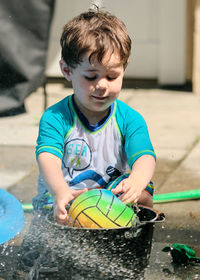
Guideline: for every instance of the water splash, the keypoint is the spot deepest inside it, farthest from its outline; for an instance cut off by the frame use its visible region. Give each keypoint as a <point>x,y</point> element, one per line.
<point>7,259</point>
<point>81,254</point>
<point>57,252</point>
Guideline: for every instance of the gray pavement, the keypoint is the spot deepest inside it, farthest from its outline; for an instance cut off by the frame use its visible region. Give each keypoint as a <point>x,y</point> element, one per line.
<point>173,118</point>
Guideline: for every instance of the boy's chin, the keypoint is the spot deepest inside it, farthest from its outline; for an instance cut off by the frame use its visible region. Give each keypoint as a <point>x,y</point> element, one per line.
<point>101,107</point>
<point>101,111</point>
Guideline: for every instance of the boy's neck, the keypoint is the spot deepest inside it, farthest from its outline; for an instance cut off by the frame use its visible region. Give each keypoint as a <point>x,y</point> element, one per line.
<point>95,117</point>
<point>92,117</point>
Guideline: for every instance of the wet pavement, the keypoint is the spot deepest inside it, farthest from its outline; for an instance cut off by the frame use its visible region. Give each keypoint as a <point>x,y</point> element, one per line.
<point>173,119</point>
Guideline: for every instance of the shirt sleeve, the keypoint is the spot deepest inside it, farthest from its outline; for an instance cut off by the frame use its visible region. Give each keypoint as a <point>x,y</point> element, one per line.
<point>135,134</point>
<point>51,134</point>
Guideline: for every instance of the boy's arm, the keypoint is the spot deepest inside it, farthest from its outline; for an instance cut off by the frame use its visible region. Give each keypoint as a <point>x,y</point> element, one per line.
<point>141,174</point>
<point>50,168</point>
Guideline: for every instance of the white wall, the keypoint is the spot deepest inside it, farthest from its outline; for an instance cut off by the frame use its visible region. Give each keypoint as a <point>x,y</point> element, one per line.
<point>156,27</point>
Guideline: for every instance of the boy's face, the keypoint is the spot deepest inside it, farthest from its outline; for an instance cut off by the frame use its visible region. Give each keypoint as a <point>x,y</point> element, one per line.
<point>95,85</point>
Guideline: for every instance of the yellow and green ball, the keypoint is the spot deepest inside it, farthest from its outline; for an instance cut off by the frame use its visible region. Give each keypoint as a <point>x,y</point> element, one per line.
<point>99,208</point>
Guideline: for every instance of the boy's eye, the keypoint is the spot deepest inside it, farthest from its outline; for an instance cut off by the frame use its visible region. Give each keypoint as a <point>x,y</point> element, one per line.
<point>90,78</point>
<point>111,78</point>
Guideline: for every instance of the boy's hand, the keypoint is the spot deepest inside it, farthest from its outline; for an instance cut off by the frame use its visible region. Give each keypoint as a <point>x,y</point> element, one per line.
<point>129,193</point>
<point>61,201</point>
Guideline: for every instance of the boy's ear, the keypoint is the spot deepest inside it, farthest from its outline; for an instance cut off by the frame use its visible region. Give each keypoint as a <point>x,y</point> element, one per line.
<point>127,63</point>
<point>66,71</point>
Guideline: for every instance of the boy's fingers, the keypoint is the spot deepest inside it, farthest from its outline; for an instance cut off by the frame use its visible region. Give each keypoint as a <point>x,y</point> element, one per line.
<point>62,219</point>
<point>118,189</point>
<point>78,192</point>
<point>60,215</point>
<point>127,198</point>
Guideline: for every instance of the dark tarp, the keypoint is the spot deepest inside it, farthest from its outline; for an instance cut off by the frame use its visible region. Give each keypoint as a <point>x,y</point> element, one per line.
<point>24,34</point>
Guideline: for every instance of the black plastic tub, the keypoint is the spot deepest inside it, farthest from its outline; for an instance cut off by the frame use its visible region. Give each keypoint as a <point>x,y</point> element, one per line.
<point>121,253</point>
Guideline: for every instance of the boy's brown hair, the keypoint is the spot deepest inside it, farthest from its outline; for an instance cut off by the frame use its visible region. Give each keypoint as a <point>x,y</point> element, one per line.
<point>97,32</point>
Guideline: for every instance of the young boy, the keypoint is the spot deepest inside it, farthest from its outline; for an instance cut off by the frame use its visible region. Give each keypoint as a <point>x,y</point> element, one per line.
<point>88,139</point>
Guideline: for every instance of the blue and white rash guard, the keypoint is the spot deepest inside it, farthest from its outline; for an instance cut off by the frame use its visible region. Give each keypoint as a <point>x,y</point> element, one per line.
<point>92,156</point>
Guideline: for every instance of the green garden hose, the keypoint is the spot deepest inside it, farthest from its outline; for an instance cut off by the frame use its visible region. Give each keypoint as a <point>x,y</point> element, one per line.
<point>27,207</point>
<point>176,196</point>
<point>157,198</point>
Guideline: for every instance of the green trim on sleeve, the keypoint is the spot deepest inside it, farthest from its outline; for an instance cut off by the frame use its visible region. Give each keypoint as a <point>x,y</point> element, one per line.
<point>119,131</point>
<point>140,153</point>
<point>48,149</point>
<point>73,118</point>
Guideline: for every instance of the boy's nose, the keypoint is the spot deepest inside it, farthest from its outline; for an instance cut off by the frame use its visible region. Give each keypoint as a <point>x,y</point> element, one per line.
<point>101,84</point>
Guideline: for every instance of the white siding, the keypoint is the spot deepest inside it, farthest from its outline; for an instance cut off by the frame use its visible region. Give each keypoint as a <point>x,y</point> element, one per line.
<point>156,27</point>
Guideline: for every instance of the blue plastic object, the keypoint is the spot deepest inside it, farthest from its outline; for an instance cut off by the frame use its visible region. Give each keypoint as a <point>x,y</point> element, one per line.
<point>11,216</point>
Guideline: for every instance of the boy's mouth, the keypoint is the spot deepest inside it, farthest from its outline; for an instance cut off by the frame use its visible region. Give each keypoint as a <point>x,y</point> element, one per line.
<point>99,97</point>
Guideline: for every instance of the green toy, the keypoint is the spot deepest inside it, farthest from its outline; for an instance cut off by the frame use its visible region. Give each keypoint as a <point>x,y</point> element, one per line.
<point>182,254</point>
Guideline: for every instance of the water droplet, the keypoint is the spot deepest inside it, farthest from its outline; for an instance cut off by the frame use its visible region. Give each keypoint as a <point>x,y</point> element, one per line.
<point>2,264</point>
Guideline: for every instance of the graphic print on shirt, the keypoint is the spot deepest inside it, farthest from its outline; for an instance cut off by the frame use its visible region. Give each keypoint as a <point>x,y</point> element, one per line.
<point>78,155</point>
<point>78,158</point>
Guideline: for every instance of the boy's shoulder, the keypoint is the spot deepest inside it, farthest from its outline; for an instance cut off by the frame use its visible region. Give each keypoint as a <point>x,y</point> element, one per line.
<point>126,111</point>
<point>61,108</point>
<point>59,112</point>
<point>129,120</point>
